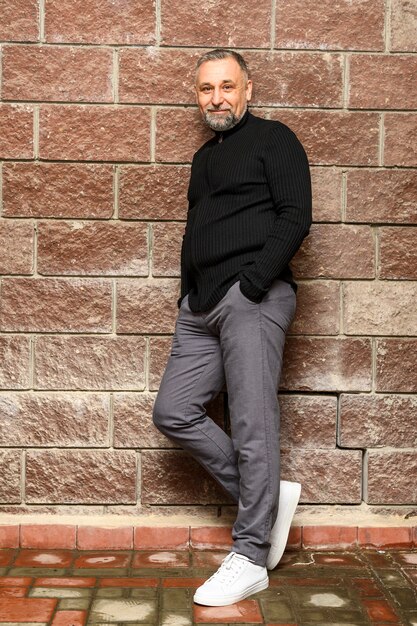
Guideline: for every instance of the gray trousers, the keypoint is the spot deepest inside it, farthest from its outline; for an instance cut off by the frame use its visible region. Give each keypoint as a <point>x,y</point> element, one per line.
<point>239,343</point>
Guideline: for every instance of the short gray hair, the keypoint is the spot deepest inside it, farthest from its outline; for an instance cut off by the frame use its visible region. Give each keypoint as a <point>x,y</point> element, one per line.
<point>224,53</point>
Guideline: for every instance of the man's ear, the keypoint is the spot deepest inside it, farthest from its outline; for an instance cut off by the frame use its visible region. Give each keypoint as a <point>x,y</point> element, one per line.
<point>249,86</point>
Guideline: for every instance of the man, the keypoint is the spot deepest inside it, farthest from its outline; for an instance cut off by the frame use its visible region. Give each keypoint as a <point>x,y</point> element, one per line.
<point>249,210</point>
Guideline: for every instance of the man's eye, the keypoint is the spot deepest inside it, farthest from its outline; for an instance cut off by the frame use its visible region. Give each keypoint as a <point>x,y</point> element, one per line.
<point>206,89</point>
<point>228,87</point>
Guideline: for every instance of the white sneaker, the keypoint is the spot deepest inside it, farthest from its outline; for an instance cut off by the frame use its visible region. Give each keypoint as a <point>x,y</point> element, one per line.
<point>289,495</point>
<point>236,579</point>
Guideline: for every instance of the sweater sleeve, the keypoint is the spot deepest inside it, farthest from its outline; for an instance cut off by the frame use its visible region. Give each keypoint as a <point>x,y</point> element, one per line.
<point>288,175</point>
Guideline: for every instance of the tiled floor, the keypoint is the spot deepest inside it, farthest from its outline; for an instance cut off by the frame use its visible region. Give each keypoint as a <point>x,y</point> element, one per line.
<point>308,588</point>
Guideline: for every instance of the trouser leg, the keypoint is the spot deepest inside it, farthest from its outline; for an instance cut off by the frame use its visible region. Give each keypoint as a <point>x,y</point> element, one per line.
<point>252,340</point>
<point>194,375</point>
<point>244,342</point>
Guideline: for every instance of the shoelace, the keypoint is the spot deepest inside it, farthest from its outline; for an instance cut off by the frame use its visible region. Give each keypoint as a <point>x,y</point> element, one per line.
<point>223,574</point>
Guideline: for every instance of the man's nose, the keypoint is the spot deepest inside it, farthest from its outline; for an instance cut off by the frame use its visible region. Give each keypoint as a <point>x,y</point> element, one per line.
<point>217,97</point>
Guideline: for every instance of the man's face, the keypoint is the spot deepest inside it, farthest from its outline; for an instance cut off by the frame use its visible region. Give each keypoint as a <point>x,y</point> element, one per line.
<point>222,93</point>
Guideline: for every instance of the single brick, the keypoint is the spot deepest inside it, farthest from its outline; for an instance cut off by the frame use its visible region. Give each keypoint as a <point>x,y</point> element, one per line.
<point>232,24</point>
<point>391,476</point>
<point>147,306</point>
<point>50,536</point>
<point>16,247</point>
<point>166,249</point>
<point>326,476</point>
<point>380,308</point>
<point>101,538</point>
<point>343,25</point>
<point>56,305</point>
<point>100,22</point>
<point>398,253</point>
<point>93,248</point>
<point>102,363</point>
<point>330,537</point>
<point>58,419</point>
<point>400,146</point>
<point>80,476</point>
<point>395,365</point>
<point>382,82</point>
<point>326,185</point>
<point>308,421</point>
<point>381,196</point>
<point>403,25</point>
<point>157,75</point>
<point>57,73</point>
<point>291,79</point>
<point>19,20</point>
<point>336,251</point>
<point>16,131</point>
<point>335,137</point>
<point>327,364</point>
<point>370,421</point>
<point>154,192</point>
<point>10,479</point>
<point>94,133</point>
<point>69,190</point>
<point>14,362</point>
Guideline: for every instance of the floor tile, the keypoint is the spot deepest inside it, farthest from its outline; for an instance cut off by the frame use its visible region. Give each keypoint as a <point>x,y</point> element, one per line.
<point>15,581</point>
<point>161,559</point>
<point>278,610</point>
<point>70,618</point>
<point>241,612</point>
<point>176,599</point>
<point>176,618</point>
<point>44,558</point>
<point>115,611</point>
<point>103,560</point>
<point>12,592</point>
<point>76,604</point>
<point>59,592</point>
<point>110,592</point>
<point>21,609</point>
<point>380,610</point>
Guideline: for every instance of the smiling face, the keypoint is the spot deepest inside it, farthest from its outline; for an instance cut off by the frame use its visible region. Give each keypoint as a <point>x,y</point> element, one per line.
<point>223,92</point>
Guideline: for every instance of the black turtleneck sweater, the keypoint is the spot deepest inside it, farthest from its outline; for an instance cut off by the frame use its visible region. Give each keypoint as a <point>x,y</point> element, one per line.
<point>249,210</point>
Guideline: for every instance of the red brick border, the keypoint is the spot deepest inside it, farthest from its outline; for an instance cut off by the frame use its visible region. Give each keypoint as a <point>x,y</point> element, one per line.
<point>86,537</point>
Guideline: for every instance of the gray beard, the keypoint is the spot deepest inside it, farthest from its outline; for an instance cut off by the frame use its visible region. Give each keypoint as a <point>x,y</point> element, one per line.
<point>224,123</point>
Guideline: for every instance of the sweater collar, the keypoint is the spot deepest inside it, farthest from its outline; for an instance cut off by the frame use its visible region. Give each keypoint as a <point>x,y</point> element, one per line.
<point>221,135</point>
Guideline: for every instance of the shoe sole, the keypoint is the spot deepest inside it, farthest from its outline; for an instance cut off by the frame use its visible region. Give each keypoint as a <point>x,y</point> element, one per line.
<point>277,549</point>
<point>232,599</point>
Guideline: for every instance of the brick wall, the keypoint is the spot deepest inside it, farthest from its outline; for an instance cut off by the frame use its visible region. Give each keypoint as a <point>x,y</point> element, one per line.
<point>97,129</point>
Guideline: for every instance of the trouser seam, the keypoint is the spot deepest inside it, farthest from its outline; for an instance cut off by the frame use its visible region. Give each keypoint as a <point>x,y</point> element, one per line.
<point>266,425</point>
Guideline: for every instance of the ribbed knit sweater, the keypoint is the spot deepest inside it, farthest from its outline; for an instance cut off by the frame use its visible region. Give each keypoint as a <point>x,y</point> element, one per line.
<point>249,210</point>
